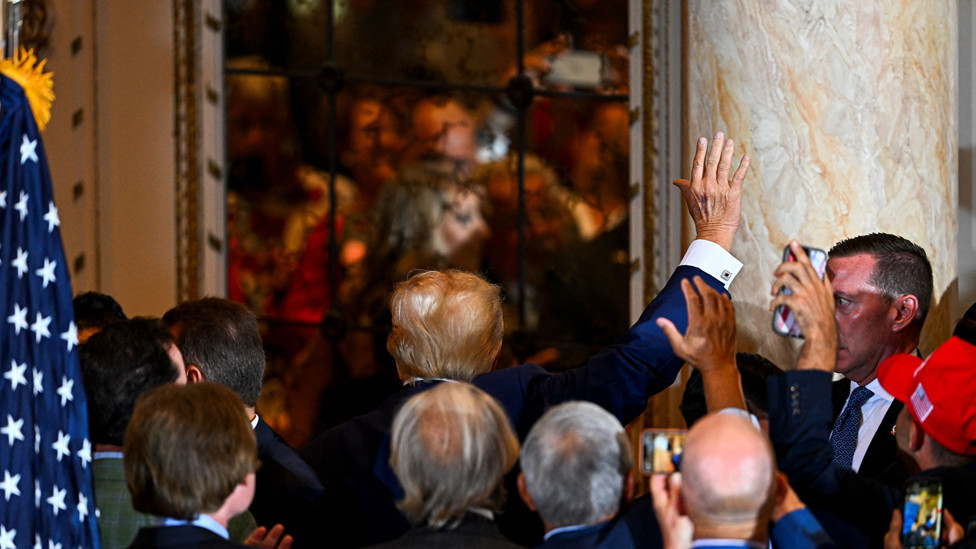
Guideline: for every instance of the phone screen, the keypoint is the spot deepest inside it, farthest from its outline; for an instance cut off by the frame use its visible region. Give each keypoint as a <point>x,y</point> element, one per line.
<point>922,513</point>
<point>783,321</point>
<point>661,450</point>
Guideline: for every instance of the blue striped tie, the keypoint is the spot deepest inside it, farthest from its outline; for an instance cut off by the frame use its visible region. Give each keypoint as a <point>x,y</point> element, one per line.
<point>844,437</point>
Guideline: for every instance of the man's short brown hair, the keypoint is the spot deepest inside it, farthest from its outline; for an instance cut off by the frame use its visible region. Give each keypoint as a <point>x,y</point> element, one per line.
<point>186,449</point>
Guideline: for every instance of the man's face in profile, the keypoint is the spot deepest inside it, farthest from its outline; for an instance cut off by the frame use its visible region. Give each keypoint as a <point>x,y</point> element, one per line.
<point>862,313</point>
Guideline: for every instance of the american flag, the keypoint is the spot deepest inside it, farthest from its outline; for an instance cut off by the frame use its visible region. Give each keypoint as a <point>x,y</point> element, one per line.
<point>45,457</point>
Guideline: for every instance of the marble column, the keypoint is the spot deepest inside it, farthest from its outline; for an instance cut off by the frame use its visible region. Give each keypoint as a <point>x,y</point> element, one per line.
<point>849,112</point>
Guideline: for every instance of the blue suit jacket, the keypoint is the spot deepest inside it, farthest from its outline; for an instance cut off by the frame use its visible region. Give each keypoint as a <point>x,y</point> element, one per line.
<point>635,528</point>
<point>180,537</point>
<point>800,530</point>
<point>352,458</point>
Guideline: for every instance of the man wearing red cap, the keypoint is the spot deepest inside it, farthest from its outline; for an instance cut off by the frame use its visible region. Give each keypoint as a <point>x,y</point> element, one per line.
<point>936,428</point>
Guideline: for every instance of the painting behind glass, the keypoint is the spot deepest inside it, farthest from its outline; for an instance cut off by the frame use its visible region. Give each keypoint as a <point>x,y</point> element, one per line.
<point>369,138</point>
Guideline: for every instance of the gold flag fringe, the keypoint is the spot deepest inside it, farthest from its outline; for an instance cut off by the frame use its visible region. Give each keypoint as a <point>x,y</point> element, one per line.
<point>24,69</point>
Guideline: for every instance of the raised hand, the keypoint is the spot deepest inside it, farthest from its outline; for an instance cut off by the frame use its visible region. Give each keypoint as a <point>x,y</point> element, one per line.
<point>709,341</point>
<point>709,344</point>
<point>269,539</point>
<point>676,529</point>
<point>715,202</point>
<point>812,304</point>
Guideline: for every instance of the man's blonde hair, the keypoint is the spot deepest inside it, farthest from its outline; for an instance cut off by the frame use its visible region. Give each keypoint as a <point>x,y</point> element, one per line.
<point>446,324</point>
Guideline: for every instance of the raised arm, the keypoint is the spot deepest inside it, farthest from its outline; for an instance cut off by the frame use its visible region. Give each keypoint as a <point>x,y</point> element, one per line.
<point>623,376</point>
<point>709,344</point>
<point>714,201</point>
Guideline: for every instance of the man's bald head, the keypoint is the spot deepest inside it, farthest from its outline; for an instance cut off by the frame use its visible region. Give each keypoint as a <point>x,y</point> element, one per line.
<point>728,477</point>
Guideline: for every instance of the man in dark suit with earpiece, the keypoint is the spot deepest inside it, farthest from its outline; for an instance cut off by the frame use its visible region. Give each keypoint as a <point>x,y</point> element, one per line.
<point>882,290</point>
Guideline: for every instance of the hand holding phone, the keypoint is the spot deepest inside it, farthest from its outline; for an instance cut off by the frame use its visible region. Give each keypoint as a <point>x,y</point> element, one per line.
<point>922,513</point>
<point>784,323</point>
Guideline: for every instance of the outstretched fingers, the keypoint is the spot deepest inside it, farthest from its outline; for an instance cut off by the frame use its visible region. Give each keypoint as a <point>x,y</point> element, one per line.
<point>725,163</point>
<point>693,304</point>
<point>740,173</point>
<point>698,166</point>
<point>715,155</point>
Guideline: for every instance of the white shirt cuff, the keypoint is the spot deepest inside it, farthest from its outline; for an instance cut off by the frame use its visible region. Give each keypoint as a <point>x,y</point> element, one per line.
<point>745,414</point>
<point>713,259</point>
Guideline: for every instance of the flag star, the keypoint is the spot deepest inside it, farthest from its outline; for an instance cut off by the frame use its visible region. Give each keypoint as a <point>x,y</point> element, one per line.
<point>7,538</point>
<point>18,319</point>
<point>21,263</point>
<point>50,542</point>
<point>27,150</point>
<point>52,217</point>
<point>71,336</point>
<point>21,205</point>
<point>13,430</point>
<point>57,500</point>
<point>65,390</point>
<point>3,199</point>
<point>47,272</point>
<point>39,327</point>
<point>16,375</point>
<point>37,542</point>
<point>61,446</point>
<point>38,382</point>
<point>37,493</point>
<point>82,506</point>
<point>84,454</point>
<point>9,485</point>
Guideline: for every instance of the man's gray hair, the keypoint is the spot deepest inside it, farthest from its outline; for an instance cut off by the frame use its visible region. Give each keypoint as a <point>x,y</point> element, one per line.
<point>575,461</point>
<point>451,447</point>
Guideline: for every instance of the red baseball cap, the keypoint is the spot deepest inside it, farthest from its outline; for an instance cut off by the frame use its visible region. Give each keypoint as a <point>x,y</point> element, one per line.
<point>939,392</point>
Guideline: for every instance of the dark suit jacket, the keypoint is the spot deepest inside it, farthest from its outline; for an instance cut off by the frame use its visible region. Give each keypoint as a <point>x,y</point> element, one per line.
<point>474,532</point>
<point>635,528</point>
<point>853,508</point>
<point>800,530</point>
<point>287,491</point>
<point>177,537</point>
<point>352,458</point>
<point>881,459</point>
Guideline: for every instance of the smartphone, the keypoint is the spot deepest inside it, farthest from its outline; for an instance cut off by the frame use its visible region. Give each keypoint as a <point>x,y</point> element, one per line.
<point>922,513</point>
<point>660,450</point>
<point>784,322</point>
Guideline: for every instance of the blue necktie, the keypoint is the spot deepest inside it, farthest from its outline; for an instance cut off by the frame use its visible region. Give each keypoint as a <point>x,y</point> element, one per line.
<point>844,437</point>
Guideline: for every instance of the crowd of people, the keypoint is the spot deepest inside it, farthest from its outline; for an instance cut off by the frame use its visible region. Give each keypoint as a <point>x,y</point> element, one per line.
<point>474,453</point>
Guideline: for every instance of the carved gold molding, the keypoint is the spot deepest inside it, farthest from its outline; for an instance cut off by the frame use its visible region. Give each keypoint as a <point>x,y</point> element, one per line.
<point>186,130</point>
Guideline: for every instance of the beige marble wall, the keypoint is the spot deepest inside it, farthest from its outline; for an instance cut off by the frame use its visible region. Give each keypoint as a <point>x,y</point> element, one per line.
<point>848,111</point>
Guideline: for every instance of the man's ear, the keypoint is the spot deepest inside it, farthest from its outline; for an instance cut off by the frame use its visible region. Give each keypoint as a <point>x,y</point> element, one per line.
<point>193,374</point>
<point>523,491</point>
<point>674,484</point>
<point>628,495</point>
<point>903,311</point>
<point>916,436</point>
<point>780,487</point>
